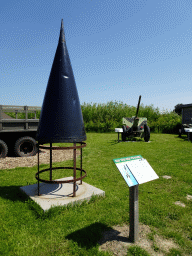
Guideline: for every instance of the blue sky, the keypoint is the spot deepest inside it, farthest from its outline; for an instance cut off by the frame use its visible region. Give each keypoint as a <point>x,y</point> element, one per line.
<point>118,50</point>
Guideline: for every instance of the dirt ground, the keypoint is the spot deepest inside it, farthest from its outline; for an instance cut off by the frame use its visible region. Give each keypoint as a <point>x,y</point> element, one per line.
<point>58,156</point>
<point>116,241</point>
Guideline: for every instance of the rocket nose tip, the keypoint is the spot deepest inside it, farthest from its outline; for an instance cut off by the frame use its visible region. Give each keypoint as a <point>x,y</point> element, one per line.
<point>62,25</point>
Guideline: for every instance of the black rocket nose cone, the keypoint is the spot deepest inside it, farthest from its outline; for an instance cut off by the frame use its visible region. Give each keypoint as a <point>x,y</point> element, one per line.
<point>61,118</point>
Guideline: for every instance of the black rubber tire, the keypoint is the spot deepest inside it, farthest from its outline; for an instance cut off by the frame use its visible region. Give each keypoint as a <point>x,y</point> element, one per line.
<point>3,149</point>
<point>146,133</point>
<point>25,146</point>
<point>190,137</point>
<point>123,134</point>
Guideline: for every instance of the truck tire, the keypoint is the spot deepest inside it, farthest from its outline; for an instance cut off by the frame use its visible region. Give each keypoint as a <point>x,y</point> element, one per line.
<point>146,133</point>
<point>3,149</point>
<point>190,136</point>
<point>25,146</point>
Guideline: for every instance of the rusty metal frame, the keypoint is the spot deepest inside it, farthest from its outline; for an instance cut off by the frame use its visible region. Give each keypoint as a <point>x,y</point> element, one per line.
<point>74,168</point>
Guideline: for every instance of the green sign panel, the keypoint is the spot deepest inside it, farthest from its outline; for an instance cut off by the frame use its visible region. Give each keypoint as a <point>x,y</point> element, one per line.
<point>135,170</point>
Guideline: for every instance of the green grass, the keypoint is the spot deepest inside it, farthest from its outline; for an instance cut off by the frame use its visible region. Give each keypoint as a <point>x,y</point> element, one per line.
<point>136,251</point>
<point>27,230</point>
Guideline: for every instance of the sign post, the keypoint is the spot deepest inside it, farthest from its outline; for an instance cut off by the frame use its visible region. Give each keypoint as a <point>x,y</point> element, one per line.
<point>134,213</point>
<point>135,170</point>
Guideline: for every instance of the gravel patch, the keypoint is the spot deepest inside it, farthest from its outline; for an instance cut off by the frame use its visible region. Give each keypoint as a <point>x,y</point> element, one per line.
<point>44,156</point>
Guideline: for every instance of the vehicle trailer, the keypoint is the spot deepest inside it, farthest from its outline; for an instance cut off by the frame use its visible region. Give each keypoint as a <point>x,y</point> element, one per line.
<point>18,136</point>
<point>186,127</point>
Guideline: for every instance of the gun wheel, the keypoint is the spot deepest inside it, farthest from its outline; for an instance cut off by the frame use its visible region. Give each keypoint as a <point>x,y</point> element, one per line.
<point>146,133</point>
<point>123,134</point>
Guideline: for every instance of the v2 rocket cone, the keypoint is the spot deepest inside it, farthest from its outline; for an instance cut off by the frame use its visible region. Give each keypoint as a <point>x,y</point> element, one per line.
<point>61,118</point>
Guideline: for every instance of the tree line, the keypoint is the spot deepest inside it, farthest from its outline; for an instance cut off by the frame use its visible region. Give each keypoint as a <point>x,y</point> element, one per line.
<point>106,117</point>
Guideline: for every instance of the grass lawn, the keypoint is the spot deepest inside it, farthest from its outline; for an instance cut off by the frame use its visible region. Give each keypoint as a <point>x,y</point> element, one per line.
<point>27,230</point>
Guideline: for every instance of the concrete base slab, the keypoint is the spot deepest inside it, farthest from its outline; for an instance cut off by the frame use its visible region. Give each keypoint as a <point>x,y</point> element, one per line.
<point>60,194</point>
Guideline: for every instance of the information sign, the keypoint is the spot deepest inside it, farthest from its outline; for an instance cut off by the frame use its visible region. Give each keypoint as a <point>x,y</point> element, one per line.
<point>135,170</point>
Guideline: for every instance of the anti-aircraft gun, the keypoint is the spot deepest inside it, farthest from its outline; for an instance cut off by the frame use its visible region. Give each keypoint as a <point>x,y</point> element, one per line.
<point>135,126</point>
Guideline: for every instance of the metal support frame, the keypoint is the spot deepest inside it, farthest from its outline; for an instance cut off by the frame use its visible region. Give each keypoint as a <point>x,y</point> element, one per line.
<point>81,163</point>
<point>26,117</point>
<point>50,162</point>
<point>74,168</point>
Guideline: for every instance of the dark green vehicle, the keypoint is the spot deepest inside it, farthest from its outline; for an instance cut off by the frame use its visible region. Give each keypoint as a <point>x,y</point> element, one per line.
<point>135,126</point>
<point>18,136</point>
<point>186,126</point>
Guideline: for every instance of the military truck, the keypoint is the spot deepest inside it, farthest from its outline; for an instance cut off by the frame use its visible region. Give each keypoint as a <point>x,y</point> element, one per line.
<point>18,135</point>
<point>135,126</point>
<point>186,127</point>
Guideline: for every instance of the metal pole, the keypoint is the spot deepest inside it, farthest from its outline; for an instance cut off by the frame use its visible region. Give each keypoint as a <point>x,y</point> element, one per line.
<point>38,167</point>
<point>74,170</point>
<point>26,118</point>
<point>1,124</point>
<point>81,163</point>
<point>50,160</point>
<point>134,213</point>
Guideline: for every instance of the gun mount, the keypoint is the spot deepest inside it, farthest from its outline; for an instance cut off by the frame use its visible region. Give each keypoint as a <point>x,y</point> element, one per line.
<point>135,126</point>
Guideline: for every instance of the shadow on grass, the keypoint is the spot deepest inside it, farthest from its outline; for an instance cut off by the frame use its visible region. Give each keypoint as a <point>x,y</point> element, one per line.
<point>95,234</point>
<point>12,193</point>
<point>183,138</point>
<point>88,237</point>
<point>114,142</point>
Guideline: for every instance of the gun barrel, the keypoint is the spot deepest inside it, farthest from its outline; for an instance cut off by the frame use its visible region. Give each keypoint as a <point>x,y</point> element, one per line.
<point>138,106</point>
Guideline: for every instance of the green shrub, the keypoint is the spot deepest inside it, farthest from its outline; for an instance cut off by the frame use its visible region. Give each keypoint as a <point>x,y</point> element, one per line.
<point>106,117</point>
<point>169,122</point>
<point>22,115</point>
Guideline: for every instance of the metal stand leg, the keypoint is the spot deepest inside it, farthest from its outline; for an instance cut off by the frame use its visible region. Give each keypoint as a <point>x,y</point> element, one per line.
<point>81,164</point>
<point>51,161</point>
<point>74,170</point>
<point>134,213</point>
<point>38,168</point>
